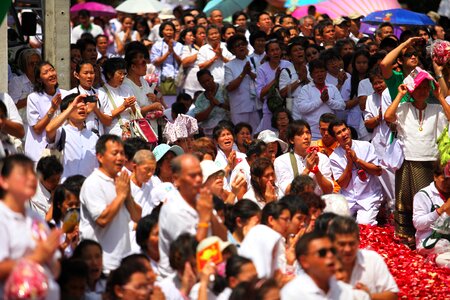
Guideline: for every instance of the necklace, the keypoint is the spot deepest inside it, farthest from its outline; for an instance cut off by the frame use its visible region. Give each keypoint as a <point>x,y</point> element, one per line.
<point>420,116</point>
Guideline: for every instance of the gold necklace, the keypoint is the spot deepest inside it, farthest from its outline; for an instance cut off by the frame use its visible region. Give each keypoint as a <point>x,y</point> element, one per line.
<point>420,116</point>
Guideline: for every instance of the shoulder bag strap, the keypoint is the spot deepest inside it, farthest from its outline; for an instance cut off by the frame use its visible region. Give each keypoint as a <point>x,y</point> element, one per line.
<point>113,104</point>
<point>293,163</point>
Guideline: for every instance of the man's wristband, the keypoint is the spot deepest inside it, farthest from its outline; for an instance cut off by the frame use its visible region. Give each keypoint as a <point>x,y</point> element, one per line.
<point>203,225</point>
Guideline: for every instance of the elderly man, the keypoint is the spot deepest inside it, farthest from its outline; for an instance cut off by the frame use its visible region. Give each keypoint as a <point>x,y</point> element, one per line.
<point>189,209</point>
<point>366,269</point>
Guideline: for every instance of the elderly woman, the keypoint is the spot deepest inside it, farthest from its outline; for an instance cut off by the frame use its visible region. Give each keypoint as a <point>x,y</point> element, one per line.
<point>21,86</point>
<point>418,125</point>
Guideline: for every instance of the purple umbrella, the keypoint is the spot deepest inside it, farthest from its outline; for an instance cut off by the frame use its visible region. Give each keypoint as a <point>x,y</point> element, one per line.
<point>96,9</point>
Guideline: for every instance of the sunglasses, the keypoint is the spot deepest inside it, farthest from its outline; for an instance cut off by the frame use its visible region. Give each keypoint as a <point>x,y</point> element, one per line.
<point>410,54</point>
<point>324,251</point>
<point>190,22</point>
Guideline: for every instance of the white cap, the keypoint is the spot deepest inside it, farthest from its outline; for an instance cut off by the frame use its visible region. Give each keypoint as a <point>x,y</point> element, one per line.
<point>209,168</point>
<point>268,136</point>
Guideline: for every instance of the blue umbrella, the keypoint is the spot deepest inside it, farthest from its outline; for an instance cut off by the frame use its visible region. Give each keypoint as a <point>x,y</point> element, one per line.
<point>398,16</point>
<point>227,7</point>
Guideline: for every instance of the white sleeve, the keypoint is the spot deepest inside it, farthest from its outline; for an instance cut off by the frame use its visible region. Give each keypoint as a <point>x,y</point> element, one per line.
<point>286,79</point>
<point>305,103</point>
<point>92,199</point>
<point>283,172</point>
<point>335,102</point>
<point>423,217</point>
<point>33,114</point>
<point>13,113</point>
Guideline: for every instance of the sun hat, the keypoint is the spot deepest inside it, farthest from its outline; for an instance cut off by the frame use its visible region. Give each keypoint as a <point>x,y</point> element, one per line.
<point>268,136</point>
<point>209,168</point>
<point>415,78</point>
<point>162,149</point>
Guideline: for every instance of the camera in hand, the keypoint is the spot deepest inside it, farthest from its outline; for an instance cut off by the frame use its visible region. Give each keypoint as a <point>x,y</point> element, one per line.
<point>90,99</point>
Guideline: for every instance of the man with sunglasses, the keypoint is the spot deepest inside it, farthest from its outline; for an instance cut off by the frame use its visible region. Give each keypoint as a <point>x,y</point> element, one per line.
<point>407,57</point>
<point>355,167</point>
<point>317,257</point>
<point>366,269</point>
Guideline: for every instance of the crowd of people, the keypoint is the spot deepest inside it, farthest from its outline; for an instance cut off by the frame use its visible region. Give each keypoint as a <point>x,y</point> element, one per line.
<point>194,158</point>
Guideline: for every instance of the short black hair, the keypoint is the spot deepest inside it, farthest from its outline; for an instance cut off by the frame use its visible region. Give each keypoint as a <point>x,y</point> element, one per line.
<point>111,65</point>
<point>294,128</point>
<point>234,39</point>
<point>299,183</point>
<point>202,72</point>
<point>84,42</point>
<point>273,209</point>
<point>67,100</point>
<point>302,246</point>
<point>328,55</point>
<point>327,117</point>
<point>163,25</point>
<point>275,115</point>
<point>335,123</point>
<point>295,204</point>
<point>257,34</point>
<point>100,146</point>
<point>316,64</point>
<point>48,166</point>
<point>84,13</point>
<point>144,228</point>
<point>133,145</point>
<point>181,250</point>
<point>343,225</point>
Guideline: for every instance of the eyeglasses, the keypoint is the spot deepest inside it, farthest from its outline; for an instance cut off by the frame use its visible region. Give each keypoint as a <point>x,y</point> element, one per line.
<point>190,22</point>
<point>141,288</point>
<point>410,54</point>
<point>324,251</point>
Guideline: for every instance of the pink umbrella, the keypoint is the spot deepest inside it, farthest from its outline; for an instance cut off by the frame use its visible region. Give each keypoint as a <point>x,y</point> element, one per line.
<point>96,9</point>
<point>338,8</point>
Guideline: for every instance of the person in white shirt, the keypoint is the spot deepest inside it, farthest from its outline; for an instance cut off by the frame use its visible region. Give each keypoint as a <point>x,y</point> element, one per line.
<point>84,17</point>
<point>68,131</point>
<point>366,268</point>
<point>120,98</point>
<point>187,209</point>
<point>428,205</point>
<point>214,55</point>
<point>316,98</point>
<point>317,256</point>
<point>240,83</point>
<point>107,205</point>
<point>355,168</point>
<point>42,105</point>
<point>12,128</point>
<point>19,87</point>
<point>49,171</point>
<point>299,161</point>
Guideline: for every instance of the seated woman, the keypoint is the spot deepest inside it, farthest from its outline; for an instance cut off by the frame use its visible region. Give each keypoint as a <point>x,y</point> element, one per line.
<point>428,205</point>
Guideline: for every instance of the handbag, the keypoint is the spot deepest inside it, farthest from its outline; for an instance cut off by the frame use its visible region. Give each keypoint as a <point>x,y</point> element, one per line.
<point>393,157</point>
<point>168,86</point>
<point>274,99</point>
<point>141,128</point>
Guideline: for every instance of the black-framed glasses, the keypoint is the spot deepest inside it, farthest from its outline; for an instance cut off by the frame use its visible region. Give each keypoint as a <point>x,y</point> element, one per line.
<point>322,252</point>
<point>410,54</point>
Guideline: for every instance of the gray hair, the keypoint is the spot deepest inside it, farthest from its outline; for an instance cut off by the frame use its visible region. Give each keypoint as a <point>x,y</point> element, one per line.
<point>142,156</point>
<point>302,19</point>
<point>24,56</point>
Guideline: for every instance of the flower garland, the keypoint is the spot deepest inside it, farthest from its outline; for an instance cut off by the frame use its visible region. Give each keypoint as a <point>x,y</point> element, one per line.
<point>417,277</point>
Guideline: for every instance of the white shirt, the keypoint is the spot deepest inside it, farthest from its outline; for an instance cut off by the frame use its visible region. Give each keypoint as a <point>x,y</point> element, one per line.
<point>13,113</point>
<point>118,95</point>
<point>97,192</point>
<point>142,196</point>
<point>420,145</point>
<point>79,151</point>
<point>19,234</point>
<point>40,202</point>
<point>170,287</point>
<point>217,68</point>
<point>19,88</point>
<point>242,99</point>
<point>243,167</point>
<point>251,195</point>
<point>176,217</point>
<point>140,92</point>
<point>364,193</point>
<point>381,133</point>
<point>365,88</point>
<point>77,31</point>
<point>191,82</point>
<point>37,107</point>
<point>371,270</point>
<point>423,217</point>
<point>285,174</point>
<point>309,105</point>
<point>303,287</point>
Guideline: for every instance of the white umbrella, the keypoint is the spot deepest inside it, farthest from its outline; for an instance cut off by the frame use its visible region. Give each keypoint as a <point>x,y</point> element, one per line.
<point>140,6</point>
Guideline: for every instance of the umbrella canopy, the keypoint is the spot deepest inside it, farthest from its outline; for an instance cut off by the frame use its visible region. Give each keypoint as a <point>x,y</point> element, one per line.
<point>338,8</point>
<point>96,9</point>
<point>398,17</point>
<point>140,6</point>
<point>227,7</point>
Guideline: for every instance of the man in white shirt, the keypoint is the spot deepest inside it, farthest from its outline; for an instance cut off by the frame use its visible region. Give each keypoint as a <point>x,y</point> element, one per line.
<point>355,168</point>
<point>85,26</point>
<point>317,98</point>
<point>187,209</point>
<point>316,255</point>
<point>106,203</point>
<point>300,162</point>
<point>366,268</point>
